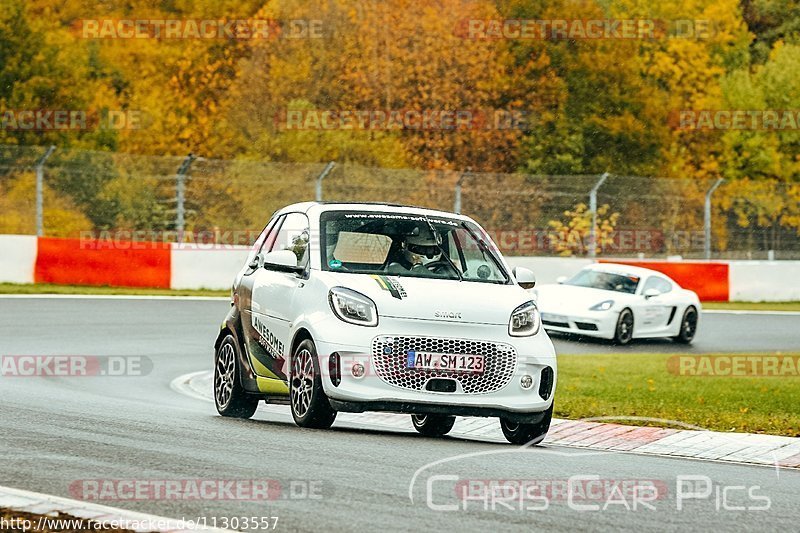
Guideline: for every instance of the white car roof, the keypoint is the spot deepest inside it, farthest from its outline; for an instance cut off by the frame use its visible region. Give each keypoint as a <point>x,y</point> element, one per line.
<point>314,208</point>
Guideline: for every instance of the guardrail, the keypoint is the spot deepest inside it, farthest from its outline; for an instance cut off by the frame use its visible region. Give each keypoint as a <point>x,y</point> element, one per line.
<point>30,259</point>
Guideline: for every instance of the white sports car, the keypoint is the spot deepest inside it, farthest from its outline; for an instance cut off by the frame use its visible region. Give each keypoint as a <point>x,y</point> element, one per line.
<point>621,303</point>
<point>367,307</point>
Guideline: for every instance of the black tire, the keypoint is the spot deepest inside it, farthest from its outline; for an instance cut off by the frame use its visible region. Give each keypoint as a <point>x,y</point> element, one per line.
<point>517,433</point>
<point>229,396</point>
<point>623,333</point>
<point>310,406</point>
<point>433,425</point>
<point>688,326</point>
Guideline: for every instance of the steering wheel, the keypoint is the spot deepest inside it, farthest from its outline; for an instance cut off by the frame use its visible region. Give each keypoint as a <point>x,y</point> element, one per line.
<point>437,266</point>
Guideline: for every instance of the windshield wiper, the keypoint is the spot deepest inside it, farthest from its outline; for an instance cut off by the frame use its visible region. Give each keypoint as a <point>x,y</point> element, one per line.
<point>438,238</point>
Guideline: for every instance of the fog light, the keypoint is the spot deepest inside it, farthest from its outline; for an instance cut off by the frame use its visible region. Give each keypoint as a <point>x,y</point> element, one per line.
<point>358,370</point>
<point>526,381</point>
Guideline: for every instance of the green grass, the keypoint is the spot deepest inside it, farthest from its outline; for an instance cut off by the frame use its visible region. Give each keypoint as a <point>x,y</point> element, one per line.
<point>44,288</point>
<point>753,306</point>
<point>640,385</point>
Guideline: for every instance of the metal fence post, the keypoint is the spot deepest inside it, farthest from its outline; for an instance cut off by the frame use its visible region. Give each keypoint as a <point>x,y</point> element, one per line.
<point>322,176</point>
<point>180,189</point>
<point>593,211</point>
<point>457,199</point>
<point>707,218</point>
<point>40,191</point>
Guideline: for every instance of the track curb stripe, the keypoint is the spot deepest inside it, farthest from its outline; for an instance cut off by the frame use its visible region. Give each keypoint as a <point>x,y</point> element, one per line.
<point>740,448</point>
<point>44,504</point>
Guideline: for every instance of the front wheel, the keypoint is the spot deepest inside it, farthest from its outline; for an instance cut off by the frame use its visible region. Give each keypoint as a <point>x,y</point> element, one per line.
<point>433,425</point>
<point>518,433</point>
<point>688,326</point>
<point>623,334</point>
<point>229,396</point>
<point>310,406</point>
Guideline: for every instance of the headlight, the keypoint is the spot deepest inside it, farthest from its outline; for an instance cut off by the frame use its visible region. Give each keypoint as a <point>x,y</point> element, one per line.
<point>602,306</point>
<point>353,307</point>
<point>524,321</point>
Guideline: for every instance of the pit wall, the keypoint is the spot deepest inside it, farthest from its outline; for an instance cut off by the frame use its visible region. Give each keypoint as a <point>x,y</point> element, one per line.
<point>28,259</point>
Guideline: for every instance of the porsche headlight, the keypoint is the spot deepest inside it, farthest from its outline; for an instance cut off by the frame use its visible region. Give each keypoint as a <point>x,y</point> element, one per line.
<point>525,321</point>
<point>605,305</point>
<point>353,307</point>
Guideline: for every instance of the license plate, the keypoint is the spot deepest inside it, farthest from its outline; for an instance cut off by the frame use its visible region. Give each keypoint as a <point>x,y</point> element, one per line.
<point>554,318</point>
<point>445,361</point>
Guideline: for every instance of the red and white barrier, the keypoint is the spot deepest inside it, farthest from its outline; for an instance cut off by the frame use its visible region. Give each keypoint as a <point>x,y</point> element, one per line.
<point>17,258</point>
<point>26,259</point>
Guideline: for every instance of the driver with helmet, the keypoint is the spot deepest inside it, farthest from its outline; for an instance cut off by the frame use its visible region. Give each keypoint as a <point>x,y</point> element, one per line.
<point>409,256</point>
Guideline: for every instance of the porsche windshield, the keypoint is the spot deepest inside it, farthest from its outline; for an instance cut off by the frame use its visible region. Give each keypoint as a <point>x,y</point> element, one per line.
<point>401,244</point>
<point>608,281</point>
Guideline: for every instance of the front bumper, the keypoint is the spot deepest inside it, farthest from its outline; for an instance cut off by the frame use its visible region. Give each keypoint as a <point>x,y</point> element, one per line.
<point>599,324</point>
<point>374,391</point>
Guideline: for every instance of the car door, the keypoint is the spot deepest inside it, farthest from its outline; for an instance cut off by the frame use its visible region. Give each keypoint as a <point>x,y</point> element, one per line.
<point>655,310</point>
<point>262,363</point>
<point>274,295</point>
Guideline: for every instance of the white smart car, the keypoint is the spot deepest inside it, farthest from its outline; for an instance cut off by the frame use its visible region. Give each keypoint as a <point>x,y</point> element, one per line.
<point>369,307</point>
<point>621,303</point>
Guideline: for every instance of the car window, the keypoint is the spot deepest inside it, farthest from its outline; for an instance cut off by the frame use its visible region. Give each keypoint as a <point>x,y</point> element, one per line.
<point>608,281</point>
<point>293,235</point>
<point>266,236</point>
<point>660,284</point>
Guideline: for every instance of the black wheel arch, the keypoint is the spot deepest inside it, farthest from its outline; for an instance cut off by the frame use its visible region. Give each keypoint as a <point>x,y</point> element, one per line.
<point>233,326</point>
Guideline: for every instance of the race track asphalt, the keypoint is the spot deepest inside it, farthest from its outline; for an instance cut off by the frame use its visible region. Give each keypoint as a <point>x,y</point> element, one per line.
<point>59,430</point>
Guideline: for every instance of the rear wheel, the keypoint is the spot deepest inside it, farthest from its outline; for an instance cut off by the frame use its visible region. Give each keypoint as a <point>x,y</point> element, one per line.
<point>433,425</point>
<point>623,334</point>
<point>229,396</point>
<point>310,406</point>
<point>518,433</point>
<point>688,326</point>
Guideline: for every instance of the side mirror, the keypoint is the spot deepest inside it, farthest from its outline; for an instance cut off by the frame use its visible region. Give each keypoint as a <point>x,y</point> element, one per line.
<point>257,262</point>
<point>561,279</point>
<point>651,293</point>
<point>282,261</point>
<point>525,277</point>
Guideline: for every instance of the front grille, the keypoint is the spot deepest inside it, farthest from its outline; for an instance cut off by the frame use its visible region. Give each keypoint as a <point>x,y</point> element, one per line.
<point>556,324</point>
<point>390,356</point>
<point>586,326</point>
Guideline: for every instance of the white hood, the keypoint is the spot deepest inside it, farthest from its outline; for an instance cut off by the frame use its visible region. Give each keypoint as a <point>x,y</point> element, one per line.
<point>435,299</point>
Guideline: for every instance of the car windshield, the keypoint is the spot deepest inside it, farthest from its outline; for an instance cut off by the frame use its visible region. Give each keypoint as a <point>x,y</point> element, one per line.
<point>410,245</point>
<point>608,281</point>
